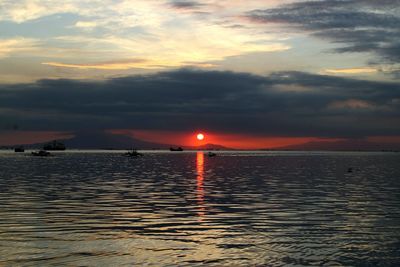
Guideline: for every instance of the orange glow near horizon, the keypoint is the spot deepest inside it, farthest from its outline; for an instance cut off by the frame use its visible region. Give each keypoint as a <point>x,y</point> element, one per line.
<point>187,139</point>
<point>235,141</point>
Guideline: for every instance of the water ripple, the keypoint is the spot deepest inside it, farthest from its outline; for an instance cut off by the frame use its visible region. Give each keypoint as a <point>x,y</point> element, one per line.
<point>168,209</point>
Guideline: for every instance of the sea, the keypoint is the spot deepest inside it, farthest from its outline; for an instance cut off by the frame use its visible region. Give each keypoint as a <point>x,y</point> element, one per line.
<point>239,208</point>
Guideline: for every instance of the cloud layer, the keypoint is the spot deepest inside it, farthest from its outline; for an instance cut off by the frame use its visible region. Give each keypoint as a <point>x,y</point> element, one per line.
<point>356,25</point>
<point>165,34</point>
<point>281,104</point>
<point>95,39</point>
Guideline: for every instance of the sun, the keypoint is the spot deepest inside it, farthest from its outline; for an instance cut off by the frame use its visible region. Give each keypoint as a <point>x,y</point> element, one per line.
<point>200,136</point>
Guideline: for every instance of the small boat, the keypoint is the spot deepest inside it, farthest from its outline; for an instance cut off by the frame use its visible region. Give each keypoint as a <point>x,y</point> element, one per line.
<point>211,154</point>
<point>19,149</point>
<point>41,153</point>
<point>176,149</point>
<point>133,153</point>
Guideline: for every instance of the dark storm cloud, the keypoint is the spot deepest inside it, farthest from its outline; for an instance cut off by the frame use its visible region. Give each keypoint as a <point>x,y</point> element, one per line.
<point>286,103</point>
<point>359,25</point>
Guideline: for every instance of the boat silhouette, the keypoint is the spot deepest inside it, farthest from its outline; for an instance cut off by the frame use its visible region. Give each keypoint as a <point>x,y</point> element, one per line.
<point>133,153</point>
<point>176,149</point>
<point>19,149</point>
<point>211,154</point>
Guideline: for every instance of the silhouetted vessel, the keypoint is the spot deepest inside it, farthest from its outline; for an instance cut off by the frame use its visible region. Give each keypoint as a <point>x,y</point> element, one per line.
<point>53,146</point>
<point>133,154</point>
<point>19,149</point>
<point>211,154</point>
<point>41,153</point>
<point>175,149</point>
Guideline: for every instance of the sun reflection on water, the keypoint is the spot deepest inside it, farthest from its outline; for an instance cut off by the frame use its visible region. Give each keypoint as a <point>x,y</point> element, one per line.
<point>200,185</point>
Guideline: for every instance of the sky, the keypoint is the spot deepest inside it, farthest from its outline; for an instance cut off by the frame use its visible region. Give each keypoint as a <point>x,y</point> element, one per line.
<point>249,74</point>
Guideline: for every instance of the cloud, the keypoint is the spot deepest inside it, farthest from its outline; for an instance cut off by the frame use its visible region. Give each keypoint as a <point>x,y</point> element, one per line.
<point>188,99</point>
<point>86,24</point>
<point>90,30</point>
<point>351,104</point>
<point>96,38</point>
<point>107,65</point>
<point>174,52</point>
<point>26,10</point>
<point>361,70</point>
<point>130,64</point>
<point>182,4</point>
<point>355,25</point>
<point>9,47</point>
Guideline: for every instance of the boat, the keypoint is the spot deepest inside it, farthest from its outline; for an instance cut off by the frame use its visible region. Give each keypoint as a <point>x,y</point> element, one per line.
<point>53,146</point>
<point>41,153</point>
<point>19,149</point>
<point>211,154</point>
<point>133,153</point>
<point>176,149</point>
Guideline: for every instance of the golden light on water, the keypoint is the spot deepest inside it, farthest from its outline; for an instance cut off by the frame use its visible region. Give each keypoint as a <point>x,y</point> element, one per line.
<point>200,186</point>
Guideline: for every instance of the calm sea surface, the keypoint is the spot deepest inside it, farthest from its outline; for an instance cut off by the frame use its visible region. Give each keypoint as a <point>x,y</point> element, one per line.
<point>186,209</point>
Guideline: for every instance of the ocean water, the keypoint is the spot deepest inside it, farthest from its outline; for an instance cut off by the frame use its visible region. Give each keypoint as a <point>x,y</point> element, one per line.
<point>186,209</point>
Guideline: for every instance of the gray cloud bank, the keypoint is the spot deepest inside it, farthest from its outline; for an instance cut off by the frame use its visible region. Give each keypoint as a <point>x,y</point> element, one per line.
<point>281,104</point>
<point>357,25</point>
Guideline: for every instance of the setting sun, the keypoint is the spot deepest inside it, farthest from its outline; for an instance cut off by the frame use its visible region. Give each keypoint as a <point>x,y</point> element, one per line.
<point>200,136</point>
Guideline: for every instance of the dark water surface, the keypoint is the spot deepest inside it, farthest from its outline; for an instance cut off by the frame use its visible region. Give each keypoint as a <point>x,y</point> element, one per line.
<point>186,209</point>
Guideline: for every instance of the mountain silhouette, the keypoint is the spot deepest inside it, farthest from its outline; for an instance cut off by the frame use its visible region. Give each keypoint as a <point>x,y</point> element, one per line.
<point>105,140</point>
<point>208,147</point>
<point>345,145</point>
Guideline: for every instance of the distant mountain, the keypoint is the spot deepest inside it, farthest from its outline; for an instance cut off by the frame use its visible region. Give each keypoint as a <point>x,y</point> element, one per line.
<point>207,147</point>
<point>346,145</point>
<point>104,140</point>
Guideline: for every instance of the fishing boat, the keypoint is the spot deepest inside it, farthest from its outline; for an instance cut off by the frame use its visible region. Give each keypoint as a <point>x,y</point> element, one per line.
<point>133,153</point>
<point>176,149</point>
<point>19,149</point>
<point>211,154</point>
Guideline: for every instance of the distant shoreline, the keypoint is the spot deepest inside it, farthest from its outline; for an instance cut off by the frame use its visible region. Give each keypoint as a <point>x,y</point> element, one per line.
<point>261,151</point>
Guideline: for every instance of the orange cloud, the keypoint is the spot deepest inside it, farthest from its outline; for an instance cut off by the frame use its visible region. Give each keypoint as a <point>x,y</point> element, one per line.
<point>107,65</point>
<point>352,70</point>
<point>129,64</point>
